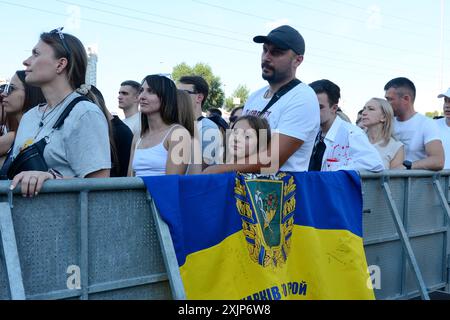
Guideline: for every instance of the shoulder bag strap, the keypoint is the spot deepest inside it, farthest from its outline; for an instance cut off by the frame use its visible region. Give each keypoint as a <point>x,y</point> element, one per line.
<point>281,92</point>
<point>67,111</point>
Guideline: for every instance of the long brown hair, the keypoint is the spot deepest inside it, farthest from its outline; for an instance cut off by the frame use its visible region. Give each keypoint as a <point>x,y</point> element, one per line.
<point>186,111</point>
<point>166,91</point>
<point>100,102</point>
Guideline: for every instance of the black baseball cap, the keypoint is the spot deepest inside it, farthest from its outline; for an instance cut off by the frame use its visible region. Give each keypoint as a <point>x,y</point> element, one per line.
<point>284,37</point>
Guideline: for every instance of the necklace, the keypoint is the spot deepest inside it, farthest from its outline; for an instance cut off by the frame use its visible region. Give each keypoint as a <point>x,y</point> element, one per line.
<point>45,116</point>
<point>268,94</point>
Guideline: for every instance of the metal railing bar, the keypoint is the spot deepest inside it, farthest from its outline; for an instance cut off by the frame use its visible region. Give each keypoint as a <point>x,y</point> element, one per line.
<point>405,241</point>
<point>128,283</point>
<point>416,293</point>
<point>102,287</point>
<point>170,258</point>
<point>411,235</point>
<point>84,243</point>
<point>57,295</point>
<point>10,253</point>
<point>77,185</point>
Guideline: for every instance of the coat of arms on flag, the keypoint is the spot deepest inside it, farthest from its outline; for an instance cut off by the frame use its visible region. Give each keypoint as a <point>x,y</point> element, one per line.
<point>266,206</point>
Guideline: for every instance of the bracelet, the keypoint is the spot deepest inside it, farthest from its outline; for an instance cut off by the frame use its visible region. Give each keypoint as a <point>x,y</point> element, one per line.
<point>55,174</point>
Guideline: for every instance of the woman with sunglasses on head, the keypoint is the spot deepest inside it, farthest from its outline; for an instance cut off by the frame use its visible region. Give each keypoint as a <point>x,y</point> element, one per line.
<point>164,145</point>
<point>80,147</point>
<point>18,97</point>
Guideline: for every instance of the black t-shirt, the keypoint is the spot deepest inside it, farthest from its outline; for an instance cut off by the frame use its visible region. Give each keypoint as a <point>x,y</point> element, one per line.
<point>123,138</point>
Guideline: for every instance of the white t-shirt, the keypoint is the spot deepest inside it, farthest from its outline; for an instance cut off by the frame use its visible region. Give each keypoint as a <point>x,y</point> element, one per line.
<point>445,137</point>
<point>348,148</point>
<point>211,140</point>
<point>134,123</point>
<point>295,114</point>
<point>415,133</point>
<point>80,147</point>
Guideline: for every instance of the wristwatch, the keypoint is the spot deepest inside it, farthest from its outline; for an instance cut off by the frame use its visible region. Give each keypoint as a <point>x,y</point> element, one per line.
<point>407,164</point>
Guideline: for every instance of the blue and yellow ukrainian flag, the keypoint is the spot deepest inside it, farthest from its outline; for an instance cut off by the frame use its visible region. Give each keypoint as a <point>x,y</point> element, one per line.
<point>289,236</point>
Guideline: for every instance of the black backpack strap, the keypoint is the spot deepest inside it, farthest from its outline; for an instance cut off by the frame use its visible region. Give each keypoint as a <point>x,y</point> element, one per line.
<point>281,92</point>
<point>67,111</point>
<point>200,118</point>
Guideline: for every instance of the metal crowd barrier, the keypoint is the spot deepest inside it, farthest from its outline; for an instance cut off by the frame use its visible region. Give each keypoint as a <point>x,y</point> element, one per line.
<point>81,239</point>
<point>103,239</point>
<point>406,232</point>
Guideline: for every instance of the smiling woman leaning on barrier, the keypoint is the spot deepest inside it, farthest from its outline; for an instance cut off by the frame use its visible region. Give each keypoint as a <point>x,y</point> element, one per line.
<point>76,147</point>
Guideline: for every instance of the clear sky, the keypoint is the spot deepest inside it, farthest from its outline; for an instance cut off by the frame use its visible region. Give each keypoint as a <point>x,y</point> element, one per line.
<point>359,45</point>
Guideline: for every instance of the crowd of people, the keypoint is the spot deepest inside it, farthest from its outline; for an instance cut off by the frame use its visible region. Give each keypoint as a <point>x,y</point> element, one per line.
<point>49,115</point>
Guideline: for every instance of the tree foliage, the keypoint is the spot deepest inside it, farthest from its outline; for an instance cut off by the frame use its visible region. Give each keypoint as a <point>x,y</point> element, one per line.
<point>433,114</point>
<point>241,92</point>
<point>216,95</point>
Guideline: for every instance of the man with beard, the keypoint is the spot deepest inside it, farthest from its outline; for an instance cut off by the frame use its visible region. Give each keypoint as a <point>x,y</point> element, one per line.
<point>291,107</point>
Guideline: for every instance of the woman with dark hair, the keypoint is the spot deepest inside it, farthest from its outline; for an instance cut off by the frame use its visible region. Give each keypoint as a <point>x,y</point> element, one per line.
<point>157,150</point>
<point>78,148</point>
<point>18,97</point>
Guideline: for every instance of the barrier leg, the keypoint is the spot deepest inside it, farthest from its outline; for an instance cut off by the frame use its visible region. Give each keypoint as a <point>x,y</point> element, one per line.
<point>168,252</point>
<point>405,240</point>
<point>445,206</point>
<point>11,254</point>
<point>441,195</point>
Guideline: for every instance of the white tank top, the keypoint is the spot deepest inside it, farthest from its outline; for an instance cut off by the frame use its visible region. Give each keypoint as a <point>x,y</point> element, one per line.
<point>151,161</point>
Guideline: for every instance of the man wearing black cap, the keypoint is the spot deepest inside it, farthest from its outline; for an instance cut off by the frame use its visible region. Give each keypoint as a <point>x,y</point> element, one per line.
<point>291,107</point>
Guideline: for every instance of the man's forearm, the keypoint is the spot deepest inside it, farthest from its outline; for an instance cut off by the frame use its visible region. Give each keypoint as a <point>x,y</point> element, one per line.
<point>244,167</point>
<point>434,163</point>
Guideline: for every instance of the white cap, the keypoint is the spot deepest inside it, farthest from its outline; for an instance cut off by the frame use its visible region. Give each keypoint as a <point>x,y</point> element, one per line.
<point>445,94</point>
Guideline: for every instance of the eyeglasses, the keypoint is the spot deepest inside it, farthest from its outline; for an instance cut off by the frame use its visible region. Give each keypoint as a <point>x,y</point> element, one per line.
<point>189,91</point>
<point>7,89</point>
<point>233,118</point>
<point>58,31</point>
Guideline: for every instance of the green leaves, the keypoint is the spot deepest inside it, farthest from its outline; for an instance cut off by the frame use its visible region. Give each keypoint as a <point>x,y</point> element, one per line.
<point>216,95</point>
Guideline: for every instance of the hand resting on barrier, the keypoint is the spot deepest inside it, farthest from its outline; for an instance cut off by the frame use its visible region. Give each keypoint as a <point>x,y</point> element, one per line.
<point>31,182</point>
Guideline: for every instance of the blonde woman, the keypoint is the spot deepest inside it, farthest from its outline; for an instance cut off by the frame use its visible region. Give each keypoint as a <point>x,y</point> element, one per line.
<point>378,118</point>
